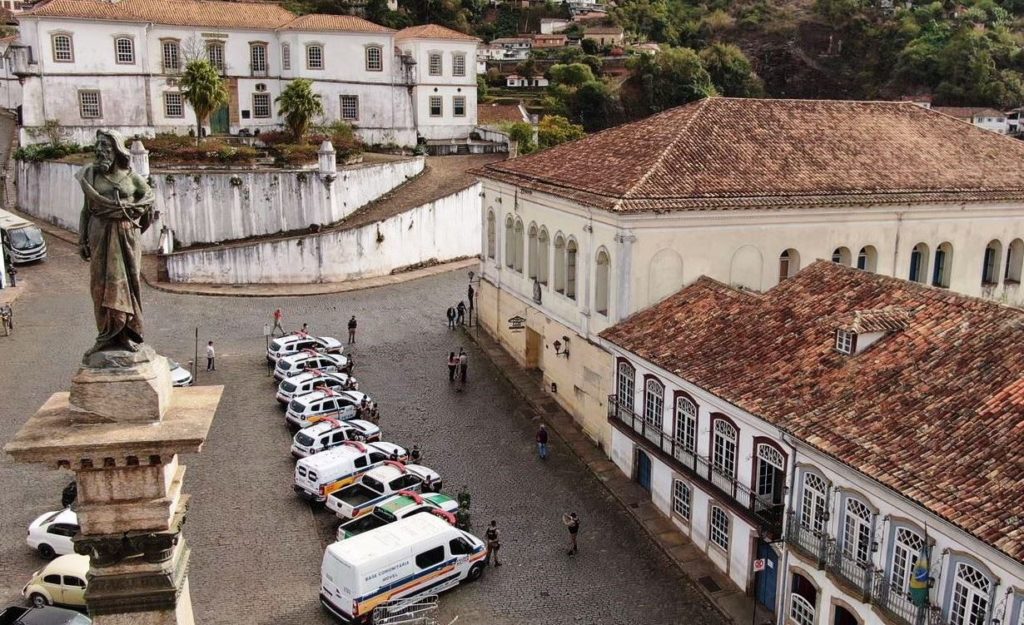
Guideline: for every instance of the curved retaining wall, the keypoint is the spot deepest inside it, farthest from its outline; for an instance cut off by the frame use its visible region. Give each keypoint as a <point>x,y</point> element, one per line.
<point>442,230</point>
<point>205,206</point>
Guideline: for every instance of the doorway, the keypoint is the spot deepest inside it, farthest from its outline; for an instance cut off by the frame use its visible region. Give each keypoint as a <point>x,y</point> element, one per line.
<point>534,348</point>
<point>844,617</point>
<point>219,121</point>
<point>767,579</point>
<point>642,471</point>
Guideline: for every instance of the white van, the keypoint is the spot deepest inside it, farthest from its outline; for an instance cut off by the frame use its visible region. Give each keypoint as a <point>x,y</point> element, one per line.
<point>24,240</point>
<point>413,556</point>
<point>321,474</point>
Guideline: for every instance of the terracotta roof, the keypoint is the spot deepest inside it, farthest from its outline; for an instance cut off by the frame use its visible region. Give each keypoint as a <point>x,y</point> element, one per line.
<point>212,13</point>
<point>888,319</point>
<point>603,30</point>
<point>728,153</point>
<point>489,114</point>
<point>347,23</point>
<point>968,112</point>
<point>932,412</point>
<point>433,31</point>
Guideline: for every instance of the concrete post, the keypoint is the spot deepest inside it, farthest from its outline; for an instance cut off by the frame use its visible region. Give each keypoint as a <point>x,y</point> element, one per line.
<point>328,162</point>
<point>140,158</point>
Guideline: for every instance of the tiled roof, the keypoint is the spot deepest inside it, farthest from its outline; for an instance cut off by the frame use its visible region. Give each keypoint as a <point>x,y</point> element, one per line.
<point>934,412</point>
<point>213,13</point>
<point>603,30</point>
<point>730,153</point>
<point>346,23</point>
<point>968,112</point>
<point>488,114</point>
<point>888,319</point>
<point>433,31</point>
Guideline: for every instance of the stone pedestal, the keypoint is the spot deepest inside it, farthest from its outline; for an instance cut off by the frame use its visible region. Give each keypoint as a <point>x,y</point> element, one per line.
<point>121,430</point>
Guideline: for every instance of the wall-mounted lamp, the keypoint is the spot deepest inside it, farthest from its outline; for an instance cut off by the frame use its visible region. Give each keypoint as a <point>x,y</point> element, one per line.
<point>562,349</point>
<point>554,387</point>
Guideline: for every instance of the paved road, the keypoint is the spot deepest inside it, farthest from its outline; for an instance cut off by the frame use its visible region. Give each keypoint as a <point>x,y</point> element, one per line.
<point>256,547</point>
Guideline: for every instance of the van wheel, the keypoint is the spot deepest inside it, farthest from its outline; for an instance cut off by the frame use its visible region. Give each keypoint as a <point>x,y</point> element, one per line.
<point>475,572</point>
<point>46,552</point>
<point>38,600</point>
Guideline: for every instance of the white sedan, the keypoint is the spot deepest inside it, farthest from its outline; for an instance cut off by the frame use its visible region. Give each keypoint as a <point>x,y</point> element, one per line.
<point>180,376</point>
<point>51,533</point>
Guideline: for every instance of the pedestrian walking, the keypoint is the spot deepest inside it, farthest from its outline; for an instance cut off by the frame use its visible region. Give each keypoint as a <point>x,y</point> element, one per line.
<point>463,365</point>
<point>415,455</point>
<point>352,330</point>
<point>451,317</point>
<point>542,442</point>
<point>572,522</point>
<point>493,544</point>
<point>460,313</point>
<point>211,354</point>
<point>278,316</point>
<point>453,364</point>
<point>469,295</point>
<point>305,328</point>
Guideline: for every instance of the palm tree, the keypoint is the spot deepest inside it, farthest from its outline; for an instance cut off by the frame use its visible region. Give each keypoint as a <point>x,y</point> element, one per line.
<point>298,104</point>
<point>203,88</point>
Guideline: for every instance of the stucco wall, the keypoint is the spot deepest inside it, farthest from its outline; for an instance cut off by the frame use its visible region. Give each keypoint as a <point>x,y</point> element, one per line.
<point>205,207</point>
<point>441,230</point>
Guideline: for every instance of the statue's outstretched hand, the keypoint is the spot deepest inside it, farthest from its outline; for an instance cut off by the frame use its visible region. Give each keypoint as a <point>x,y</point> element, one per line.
<point>83,251</point>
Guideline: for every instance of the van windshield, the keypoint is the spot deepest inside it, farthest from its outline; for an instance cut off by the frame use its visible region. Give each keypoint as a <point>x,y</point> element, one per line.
<point>276,344</point>
<point>25,238</point>
<point>296,405</point>
<point>304,439</point>
<point>288,387</point>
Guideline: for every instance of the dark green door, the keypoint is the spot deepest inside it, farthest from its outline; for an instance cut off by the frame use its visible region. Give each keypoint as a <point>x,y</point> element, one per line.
<point>219,124</point>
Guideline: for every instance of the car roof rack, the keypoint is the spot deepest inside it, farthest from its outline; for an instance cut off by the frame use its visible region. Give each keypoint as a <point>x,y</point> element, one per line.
<point>356,444</point>
<point>398,465</point>
<point>325,419</point>
<point>316,372</point>
<point>412,494</point>
<point>326,390</point>
<point>444,514</point>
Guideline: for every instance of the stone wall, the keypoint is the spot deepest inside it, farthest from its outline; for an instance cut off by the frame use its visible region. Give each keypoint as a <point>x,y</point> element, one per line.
<point>207,206</point>
<point>442,230</point>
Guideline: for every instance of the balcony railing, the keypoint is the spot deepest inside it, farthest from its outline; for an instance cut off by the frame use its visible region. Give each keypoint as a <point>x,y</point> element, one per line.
<point>767,513</point>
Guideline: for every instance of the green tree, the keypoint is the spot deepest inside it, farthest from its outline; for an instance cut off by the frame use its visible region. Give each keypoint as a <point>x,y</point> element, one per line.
<point>481,87</point>
<point>672,77</point>
<point>298,104</point>
<point>522,134</point>
<point>555,129</point>
<point>203,88</point>
<point>572,75</point>
<point>730,71</point>
<point>595,106</point>
<point>589,46</point>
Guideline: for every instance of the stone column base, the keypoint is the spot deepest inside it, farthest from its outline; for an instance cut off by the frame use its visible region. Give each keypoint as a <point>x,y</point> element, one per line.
<point>180,615</point>
<point>139,591</point>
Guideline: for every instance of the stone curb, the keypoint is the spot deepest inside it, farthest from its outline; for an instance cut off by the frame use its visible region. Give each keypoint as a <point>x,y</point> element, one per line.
<point>543,413</point>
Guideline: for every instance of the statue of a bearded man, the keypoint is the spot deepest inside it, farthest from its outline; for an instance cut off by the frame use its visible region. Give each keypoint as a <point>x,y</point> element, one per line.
<point>117,210</point>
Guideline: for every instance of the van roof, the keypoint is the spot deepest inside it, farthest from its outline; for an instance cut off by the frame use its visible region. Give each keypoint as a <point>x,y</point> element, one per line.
<point>10,220</point>
<point>388,539</point>
<point>330,457</point>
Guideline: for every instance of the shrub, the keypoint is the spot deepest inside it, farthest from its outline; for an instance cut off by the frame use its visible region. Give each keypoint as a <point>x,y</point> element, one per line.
<point>47,151</point>
<point>296,153</point>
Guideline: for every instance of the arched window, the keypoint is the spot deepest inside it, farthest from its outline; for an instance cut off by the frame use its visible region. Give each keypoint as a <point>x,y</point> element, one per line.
<point>63,48</point>
<point>803,600</point>
<point>789,264</point>
<point>723,457</point>
<point>971,588</point>
<point>814,503</point>
<point>543,266</point>
<point>919,263</point>
<point>286,56</point>
<point>1014,263</point>
<point>374,59</point>
<point>626,384</point>
<point>857,530</point>
<point>906,547</point>
<point>719,533</point>
<point>840,255</point>
<point>654,402</point>
<point>681,499</point>
<point>771,474</point>
<point>559,264</point>
<point>943,265</point>
<point>517,252</point>
<point>685,431</point>
<point>314,56</point>
<point>531,256</point>
<point>170,55</point>
<point>601,283</point>
<point>124,50</point>
<point>491,235</point>
<point>867,259</point>
<point>570,269</point>
<point>992,262</point>
<point>510,255</point>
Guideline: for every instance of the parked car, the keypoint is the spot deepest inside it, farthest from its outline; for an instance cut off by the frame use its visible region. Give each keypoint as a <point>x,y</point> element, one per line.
<point>321,474</point>
<point>49,615</point>
<point>341,405</point>
<point>309,359</point>
<point>396,507</point>
<point>62,582</point>
<point>309,379</point>
<point>51,533</point>
<point>180,376</point>
<point>378,484</point>
<point>299,341</point>
<point>327,433</point>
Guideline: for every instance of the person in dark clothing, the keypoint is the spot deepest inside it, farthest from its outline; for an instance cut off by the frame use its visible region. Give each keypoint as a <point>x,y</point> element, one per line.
<point>542,442</point>
<point>453,364</point>
<point>69,494</point>
<point>493,544</point>
<point>415,454</point>
<point>469,294</point>
<point>352,330</point>
<point>463,365</point>
<point>460,314</point>
<point>572,523</point>
<point>451,317</point>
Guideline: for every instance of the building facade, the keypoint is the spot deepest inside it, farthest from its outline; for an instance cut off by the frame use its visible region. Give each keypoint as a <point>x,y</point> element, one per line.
<point>91,64</point>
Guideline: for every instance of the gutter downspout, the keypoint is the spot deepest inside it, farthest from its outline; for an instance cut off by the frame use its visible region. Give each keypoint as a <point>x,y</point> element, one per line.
<point>896,249</point>
<point>587,312</point>
<point>780,602</point>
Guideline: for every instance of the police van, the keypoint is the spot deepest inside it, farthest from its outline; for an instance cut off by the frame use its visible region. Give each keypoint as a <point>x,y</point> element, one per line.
<point>321,474</point>
<point>310,379</point>
<point>327,433</point>
<point>295,364</point>
<point>418,555</point>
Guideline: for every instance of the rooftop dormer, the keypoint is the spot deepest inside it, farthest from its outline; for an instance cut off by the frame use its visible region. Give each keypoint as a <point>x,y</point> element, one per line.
<point>859,329</point>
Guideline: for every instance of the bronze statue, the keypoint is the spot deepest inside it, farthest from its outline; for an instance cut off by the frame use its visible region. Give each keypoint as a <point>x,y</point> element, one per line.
<point>117,210</point>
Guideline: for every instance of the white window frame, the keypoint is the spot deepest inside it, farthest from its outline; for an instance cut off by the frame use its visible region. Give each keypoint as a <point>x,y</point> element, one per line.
<point>682,499</point>
<point>59,55</point>
<point>435,64</point>
<point>286,56</point>
<point>216,58</point>
<point>967,595</point>
<point>259,59</point>
<point>353,100</point>
<point>718,533</point>
<point>440,106</point>
<point>801,610</point>
<point>654,402</point>
<point>726,448</point>
<point>907,544</point>
<point>858,529</point>
<point>170,55</point>
<point>270,105</point>
<point>458,64</point>
<point>82,104</point>
<point>685,431</point>
<point>127,56</point>
<point>844,341</point>
<point>312,49</point>
<point>626,386</point>
<point>492,236</point>
<point>170,95</point>
<point>374,58</point>
<point>455,106</point>
<point>814,503</point>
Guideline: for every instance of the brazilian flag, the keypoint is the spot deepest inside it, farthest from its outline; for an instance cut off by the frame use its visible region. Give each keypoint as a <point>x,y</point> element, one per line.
<point>919,580</point>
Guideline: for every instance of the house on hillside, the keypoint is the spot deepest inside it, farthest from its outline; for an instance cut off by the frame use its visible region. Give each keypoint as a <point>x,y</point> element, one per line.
<point>515,80</point>
<point>604,35</point>
<point>980,116</point>
<point>552,25</point>
<point>549,41</point>
<point>513,48</point>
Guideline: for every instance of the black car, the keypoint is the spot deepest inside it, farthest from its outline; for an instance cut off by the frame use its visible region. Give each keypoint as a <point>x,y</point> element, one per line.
<point>18,615</point>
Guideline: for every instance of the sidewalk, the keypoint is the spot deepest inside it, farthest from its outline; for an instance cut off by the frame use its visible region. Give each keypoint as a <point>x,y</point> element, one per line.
<point>11,293</point>
<point>730,600</point>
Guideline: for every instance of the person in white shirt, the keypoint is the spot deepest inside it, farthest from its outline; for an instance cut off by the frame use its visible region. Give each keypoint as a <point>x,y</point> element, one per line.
<point>210,355</point>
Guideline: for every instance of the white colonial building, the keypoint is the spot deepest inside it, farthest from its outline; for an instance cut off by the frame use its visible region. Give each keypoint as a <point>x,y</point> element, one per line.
<point>837,427</point>
<point>115,64</point>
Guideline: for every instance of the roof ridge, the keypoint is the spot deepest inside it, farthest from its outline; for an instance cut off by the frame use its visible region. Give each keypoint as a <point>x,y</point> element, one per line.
<point>699,105</point>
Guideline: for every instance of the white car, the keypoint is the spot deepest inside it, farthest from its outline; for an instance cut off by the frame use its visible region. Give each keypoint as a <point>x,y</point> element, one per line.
<point>328,433</point>
<point>180,376</point>
<point>295,364</point>
<point>309,379</point>
<point>342,405</point>
<point>51,533</point>
<point>298,341</point>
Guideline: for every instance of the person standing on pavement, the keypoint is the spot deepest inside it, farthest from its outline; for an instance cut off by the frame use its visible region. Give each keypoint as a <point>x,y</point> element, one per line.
<point>463,365</point>
<point>460,313</point>
<point>542,442</point>
<point>278,315</point>
<point>493,544</point>
<point>451,317</point>
<point>211,354</point>
<point>572,523</point>
<point>453,364</point>
<point>352,330</point>
<point>305,328</point>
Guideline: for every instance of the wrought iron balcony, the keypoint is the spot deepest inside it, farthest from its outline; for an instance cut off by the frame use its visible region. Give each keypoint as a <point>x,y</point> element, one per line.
<point>762,511</point>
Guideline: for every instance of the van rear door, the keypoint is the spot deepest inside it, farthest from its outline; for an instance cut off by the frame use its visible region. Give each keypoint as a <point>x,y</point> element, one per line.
<point>338,585</point>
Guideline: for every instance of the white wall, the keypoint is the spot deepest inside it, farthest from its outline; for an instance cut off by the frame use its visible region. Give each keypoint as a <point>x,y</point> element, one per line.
<point>206,207</point>
<point>441,230</point>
